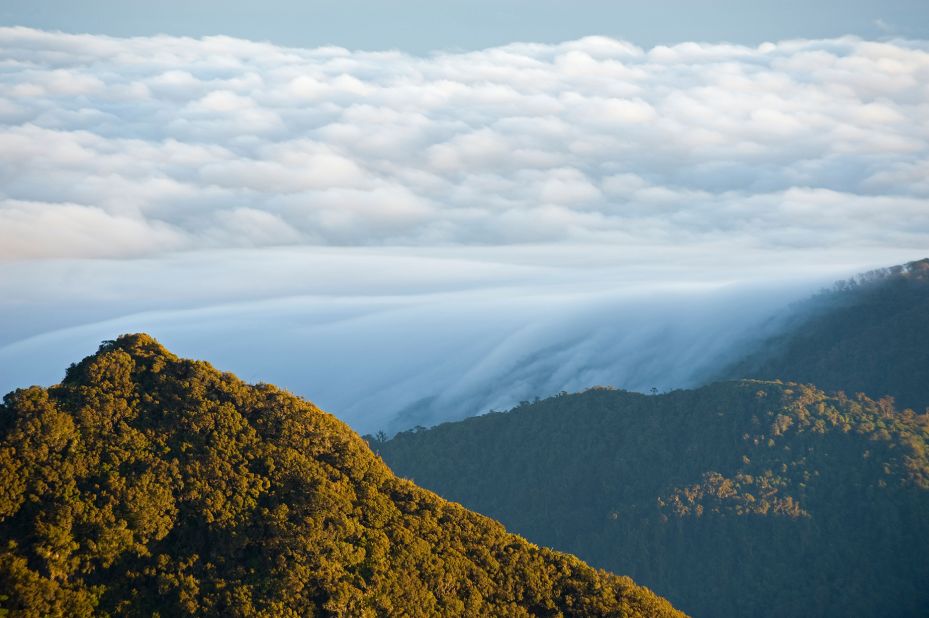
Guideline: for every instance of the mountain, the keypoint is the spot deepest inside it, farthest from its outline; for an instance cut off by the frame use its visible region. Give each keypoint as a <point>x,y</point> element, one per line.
<point>747,498</point>
<point>869,334</point>
<point>145,484</point>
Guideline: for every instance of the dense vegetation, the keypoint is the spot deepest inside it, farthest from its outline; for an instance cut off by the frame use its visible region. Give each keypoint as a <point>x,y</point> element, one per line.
<point>737,499</point>
<point>149,485</point>
<point>869,334</point>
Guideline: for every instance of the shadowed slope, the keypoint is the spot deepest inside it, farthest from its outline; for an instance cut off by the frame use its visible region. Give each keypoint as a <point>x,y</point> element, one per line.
<point>869,334</point>
<point>737,499</point>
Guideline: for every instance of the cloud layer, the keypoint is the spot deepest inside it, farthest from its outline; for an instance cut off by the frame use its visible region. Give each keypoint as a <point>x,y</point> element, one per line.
<point>388,338</point>
<point>138,147</point>
<point>385,340</point>
<point>407,239</point>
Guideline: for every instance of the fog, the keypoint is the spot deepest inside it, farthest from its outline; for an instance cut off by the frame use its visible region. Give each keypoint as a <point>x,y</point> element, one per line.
<point>391,339</point>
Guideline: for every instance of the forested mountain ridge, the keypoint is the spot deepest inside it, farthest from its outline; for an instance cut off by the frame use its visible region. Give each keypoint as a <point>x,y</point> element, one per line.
<point>145,484</point>
<point>868,334</point>
<point>744,498</point>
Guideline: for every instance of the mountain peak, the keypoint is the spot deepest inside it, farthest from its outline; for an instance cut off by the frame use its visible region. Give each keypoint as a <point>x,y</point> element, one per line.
<point>120,366</point>
<point>148,483</point>
<point>140,345</point>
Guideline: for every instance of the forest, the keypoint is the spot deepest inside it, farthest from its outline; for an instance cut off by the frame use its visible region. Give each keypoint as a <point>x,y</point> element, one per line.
<point>149,485</point>
<point>743,498</point>
<point>798,484</point>
<point>867,334</point>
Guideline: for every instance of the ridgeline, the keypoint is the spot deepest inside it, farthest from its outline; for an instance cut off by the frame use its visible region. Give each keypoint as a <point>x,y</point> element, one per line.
<point>869,334</point>
<point>747,498</point>
<point>145,484</point>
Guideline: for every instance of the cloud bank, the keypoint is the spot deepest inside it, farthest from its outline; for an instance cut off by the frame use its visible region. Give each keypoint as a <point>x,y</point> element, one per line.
<point>406,239</point>
<point>388,341</point>
<point>137,147</point>
<point>390,338</point>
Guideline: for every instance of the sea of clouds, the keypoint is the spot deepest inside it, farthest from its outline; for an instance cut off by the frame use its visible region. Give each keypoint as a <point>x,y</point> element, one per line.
<point>129,147</point>
<point>398,234</point>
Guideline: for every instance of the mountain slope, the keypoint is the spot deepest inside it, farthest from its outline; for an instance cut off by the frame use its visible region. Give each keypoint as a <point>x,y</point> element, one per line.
<point>149,484</point>
<point>737,499</point>
<point>869,334</point>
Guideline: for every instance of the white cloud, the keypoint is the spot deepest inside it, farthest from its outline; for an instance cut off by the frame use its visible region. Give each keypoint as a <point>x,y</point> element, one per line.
<point>590,139</point>
<point>471,228</point>
<point>79,230</point>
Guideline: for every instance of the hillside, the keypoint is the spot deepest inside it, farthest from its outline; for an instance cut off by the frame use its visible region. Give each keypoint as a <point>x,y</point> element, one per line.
<point>869,334</point>
<point>737,499</point>
<point>145,484</point>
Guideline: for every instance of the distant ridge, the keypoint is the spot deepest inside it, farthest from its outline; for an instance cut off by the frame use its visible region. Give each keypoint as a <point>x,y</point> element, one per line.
<point>869,334</point>
<point>145,484</point>
<point>747,498</point>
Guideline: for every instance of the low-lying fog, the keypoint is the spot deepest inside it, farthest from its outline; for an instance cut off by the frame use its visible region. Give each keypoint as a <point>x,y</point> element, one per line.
<point>390,339</point>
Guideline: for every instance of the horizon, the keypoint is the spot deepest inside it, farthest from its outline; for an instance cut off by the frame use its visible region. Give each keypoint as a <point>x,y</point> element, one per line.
<point>456,25</point>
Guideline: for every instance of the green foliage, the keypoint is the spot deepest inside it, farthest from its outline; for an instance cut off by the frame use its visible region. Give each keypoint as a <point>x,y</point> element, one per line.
<point>149,485</point>
<point>737,499</point>
<point>869,334</point>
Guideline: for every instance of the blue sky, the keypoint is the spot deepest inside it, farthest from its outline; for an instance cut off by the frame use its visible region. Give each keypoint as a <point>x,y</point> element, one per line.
<point>421,25</point>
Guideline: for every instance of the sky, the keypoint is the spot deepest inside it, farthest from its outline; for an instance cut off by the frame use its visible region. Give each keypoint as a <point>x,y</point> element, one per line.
<point>422,26</point>
<point>412,227</point>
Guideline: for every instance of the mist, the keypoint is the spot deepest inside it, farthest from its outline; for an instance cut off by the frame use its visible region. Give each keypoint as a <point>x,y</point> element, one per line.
<point>391,339</point>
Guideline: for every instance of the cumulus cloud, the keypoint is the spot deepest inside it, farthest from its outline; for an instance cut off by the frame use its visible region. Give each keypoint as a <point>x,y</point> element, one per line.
<point>127,147</point>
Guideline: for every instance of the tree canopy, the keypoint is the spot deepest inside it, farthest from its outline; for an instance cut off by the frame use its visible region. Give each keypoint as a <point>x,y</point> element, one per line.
<point>868,334</point>
<point>145,484</point>
<point>748,498</point>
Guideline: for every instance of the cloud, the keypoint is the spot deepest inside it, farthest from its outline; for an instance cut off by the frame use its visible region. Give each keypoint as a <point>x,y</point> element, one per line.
<point>194,142</point>
<point>412,238</point>
<point>884,26</point>
<point>388,338</point>
<point>82,230</point>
